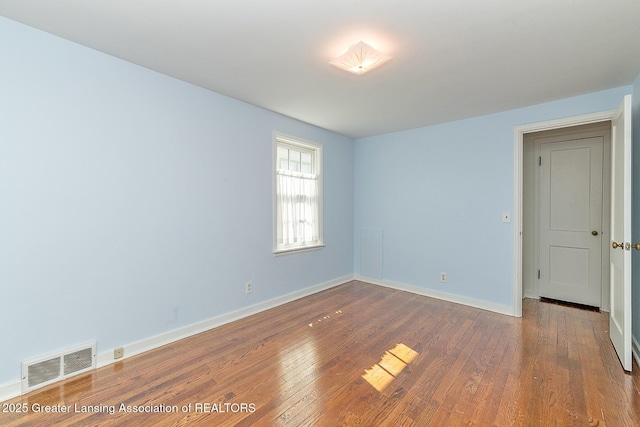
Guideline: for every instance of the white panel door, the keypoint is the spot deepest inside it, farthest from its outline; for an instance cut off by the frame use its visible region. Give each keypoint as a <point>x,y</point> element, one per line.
<point>570,221</point>
<point>620,249</point>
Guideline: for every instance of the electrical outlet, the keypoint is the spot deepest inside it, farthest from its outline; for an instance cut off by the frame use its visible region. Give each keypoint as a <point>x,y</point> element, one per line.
<point>249,287</point>
<point>118,353</point>
<point>443,277</point>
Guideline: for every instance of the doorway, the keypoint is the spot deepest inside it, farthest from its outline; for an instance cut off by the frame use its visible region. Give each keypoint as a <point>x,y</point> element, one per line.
<point>619,301</point>
<point>519,231</point>
<point>566,195</point>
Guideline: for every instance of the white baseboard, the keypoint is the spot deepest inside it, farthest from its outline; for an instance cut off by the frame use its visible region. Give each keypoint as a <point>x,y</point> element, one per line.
<point>472,302</point>
<point>484,305</point>
<point>106,357</point>
<point>13,389</point>
<point>10,390</point>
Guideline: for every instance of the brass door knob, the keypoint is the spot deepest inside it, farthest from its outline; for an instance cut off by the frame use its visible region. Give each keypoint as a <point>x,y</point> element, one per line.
<point>636,246</point>
<point>594,232</point>
<point>615,245</point>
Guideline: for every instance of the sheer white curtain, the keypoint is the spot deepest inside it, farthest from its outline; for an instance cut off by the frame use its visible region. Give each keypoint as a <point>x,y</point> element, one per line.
<point>297,204</point>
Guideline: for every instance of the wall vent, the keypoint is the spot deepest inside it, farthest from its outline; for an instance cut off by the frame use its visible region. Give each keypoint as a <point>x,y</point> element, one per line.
<point>48,369</point>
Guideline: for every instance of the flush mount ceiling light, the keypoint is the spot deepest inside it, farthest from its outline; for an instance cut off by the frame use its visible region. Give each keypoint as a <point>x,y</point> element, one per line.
<point>360,58</point>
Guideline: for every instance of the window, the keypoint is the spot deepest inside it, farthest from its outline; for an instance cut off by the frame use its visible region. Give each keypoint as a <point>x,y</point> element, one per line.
<point>298,194</point>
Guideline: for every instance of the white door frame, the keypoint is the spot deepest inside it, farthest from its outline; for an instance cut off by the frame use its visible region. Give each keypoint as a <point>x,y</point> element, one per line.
<point>518,149</point>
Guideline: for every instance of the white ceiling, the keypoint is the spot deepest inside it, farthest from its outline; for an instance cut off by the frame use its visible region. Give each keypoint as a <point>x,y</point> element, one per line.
<point>452,59</point>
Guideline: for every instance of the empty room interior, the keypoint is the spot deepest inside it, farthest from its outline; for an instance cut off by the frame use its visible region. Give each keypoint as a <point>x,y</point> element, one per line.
<point>320,213</point>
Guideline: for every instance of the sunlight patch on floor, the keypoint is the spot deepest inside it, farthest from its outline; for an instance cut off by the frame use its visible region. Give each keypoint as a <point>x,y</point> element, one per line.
<point>325,318</point>
<point>392,362</point>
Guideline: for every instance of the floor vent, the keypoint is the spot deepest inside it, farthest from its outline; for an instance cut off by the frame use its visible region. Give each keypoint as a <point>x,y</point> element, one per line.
<point>48,369</point>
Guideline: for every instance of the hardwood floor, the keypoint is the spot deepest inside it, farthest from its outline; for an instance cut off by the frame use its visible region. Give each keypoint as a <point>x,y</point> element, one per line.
<point>362,355</point>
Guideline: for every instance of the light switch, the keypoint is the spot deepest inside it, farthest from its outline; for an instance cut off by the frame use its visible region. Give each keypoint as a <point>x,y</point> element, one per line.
<point>506,216</point>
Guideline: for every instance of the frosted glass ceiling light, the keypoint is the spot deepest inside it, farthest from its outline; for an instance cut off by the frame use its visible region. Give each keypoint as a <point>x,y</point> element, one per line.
<point>360,58</point>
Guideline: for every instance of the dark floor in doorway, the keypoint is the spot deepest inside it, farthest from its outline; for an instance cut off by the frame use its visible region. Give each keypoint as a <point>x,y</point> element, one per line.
<point>569,304</point>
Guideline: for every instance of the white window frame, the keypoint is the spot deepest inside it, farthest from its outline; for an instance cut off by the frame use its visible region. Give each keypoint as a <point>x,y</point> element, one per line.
<point>280,139</point>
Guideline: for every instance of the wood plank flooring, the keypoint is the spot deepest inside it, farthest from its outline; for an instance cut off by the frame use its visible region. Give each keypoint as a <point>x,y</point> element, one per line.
<point>362,355</point>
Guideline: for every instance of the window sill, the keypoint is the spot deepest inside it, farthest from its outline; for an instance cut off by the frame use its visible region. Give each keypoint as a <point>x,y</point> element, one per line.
<point>280,252</point>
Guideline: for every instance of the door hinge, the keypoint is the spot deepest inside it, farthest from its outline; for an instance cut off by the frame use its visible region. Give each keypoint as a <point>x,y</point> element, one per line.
<point>540,161</point>
<point>538,274</point>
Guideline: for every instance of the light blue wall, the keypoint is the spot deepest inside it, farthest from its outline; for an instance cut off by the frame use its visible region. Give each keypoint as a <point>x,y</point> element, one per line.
<point>438,194</point>
<point>635,212</point>
<point>132,203</point>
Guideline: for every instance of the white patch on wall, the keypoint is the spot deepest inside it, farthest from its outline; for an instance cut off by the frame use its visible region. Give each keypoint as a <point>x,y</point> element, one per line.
<point>371,252</point>
<point>51,368</point>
